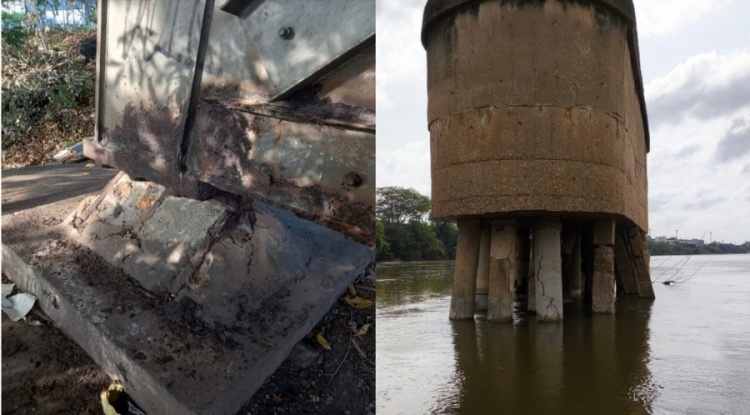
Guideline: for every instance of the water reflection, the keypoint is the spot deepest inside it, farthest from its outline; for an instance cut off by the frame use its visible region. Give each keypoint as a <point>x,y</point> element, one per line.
<point>586,364</point>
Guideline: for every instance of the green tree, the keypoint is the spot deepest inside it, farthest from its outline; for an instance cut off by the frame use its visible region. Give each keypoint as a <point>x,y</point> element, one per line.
<point>447,233</point>
<point>382,247</point>
<point>401,205</point>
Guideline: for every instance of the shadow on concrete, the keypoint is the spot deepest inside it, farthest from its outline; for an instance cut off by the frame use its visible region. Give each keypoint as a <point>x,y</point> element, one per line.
<point>34,186</point>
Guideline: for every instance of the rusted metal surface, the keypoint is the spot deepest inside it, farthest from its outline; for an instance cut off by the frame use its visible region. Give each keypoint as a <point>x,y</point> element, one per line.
<point>204,101</point>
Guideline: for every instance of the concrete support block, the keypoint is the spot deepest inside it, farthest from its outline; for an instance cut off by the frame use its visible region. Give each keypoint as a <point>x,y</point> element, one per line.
<point>155,238</point>
<point>548,270</point>
<point>465,275</point>
<point>483,271</point>
<point>603,296</point>
<point>503,270</point>
<point>257,294</point>
<point>604,232</point>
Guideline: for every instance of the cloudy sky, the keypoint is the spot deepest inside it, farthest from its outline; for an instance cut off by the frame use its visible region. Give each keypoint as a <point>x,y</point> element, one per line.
<point>695,58</point>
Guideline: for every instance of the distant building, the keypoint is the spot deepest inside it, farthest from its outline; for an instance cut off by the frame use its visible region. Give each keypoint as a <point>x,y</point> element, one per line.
<point>694,242</point>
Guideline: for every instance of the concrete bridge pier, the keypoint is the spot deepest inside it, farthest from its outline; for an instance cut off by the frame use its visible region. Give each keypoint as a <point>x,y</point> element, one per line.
<point>483,271</point>
<point>603,275</point>
<point>548,271</point>
<point>504,270</point>
<point>465,274</point>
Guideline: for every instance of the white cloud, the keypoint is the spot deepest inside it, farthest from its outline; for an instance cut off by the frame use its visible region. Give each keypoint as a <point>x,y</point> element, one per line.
<point>704,86</point>
<point>399,53</point>
<point>669,17</point>
<point>407,166</point>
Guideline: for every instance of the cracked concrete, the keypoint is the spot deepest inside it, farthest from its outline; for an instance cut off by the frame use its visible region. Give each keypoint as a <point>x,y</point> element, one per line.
<point>503,270</point>
<point>548,272</point>
<point>603,281</point>
<point>207,347</point>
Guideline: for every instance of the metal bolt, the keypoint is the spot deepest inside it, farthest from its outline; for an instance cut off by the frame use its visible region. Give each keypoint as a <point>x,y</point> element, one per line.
<point>353,179</point>
<point>286,32</point>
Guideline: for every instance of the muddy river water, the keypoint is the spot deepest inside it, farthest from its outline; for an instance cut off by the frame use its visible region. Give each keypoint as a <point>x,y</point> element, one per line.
<point>687,352</point>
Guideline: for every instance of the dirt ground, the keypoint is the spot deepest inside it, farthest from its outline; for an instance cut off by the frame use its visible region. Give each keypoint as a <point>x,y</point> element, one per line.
<point>44,372</point>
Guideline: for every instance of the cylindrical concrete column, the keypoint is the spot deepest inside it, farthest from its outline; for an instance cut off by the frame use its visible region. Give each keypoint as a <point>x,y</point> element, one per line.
<point>576,278</point>
<point>531,305</point>
<point>483,271</point>
<point>465,275</point>
<point>603,277</point>
<point>503,270</point>
<point>603,296</point>
<point>524,258</point>
<point>548,270</point>
<point>567,243</point>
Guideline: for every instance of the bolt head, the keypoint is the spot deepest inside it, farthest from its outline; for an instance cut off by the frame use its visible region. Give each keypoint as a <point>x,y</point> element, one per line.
<point>286,32</point>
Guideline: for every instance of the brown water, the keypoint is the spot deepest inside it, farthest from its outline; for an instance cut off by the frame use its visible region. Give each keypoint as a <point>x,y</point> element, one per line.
<point>687,352</point>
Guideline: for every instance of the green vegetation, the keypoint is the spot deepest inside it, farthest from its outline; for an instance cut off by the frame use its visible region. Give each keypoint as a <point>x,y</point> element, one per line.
<point>403,232</point>
<point>663,248</point>
<point>47,89</point>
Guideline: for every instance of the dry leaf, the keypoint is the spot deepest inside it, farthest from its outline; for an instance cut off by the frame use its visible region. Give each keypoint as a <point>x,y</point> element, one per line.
<point>90,165</point>
<point>359,302</point>
<point>362,330</point>
<point>275,398</point>
<point>110,396</point>
<point>352,290</point>
<point>322,340</point>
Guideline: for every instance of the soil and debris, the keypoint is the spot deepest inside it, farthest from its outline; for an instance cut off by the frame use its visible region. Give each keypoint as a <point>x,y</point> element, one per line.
<point>44,372</point>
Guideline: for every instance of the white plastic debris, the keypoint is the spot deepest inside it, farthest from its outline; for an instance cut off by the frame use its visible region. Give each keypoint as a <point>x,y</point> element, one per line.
<point>62,155</point>
<point>72,154</point>
<point>8,289</point>
<point>16,306</point>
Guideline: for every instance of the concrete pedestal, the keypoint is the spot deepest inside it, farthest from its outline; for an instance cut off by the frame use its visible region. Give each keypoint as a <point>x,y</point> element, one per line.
<point>548,270</point>
<point>503,270</point>
<point>483,272</point>
<point>465,275</point>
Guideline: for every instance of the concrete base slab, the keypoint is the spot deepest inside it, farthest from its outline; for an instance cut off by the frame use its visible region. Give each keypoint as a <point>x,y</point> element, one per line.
<point>206,349</point>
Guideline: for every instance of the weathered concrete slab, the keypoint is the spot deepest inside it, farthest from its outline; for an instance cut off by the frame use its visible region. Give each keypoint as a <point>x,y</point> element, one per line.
<point>211,346</point>
<point>154,237</point>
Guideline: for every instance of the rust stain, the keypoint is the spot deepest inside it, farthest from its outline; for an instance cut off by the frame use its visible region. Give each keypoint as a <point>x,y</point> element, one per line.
<point>145,202</point>
<point>122,190</point>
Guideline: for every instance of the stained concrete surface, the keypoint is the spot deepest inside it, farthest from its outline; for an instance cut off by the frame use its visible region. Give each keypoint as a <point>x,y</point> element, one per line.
<point>173,353</point>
